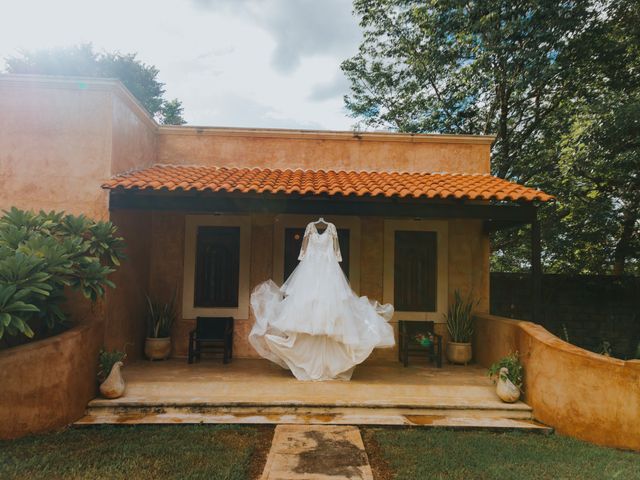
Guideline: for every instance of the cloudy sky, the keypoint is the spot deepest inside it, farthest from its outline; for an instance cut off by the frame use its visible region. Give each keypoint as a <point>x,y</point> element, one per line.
<point>252,63</point>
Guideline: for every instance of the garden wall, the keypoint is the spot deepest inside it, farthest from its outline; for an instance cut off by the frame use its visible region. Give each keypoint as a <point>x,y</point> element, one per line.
<point>579,393</point>
<point>47,384</point>
<point>589,309</point>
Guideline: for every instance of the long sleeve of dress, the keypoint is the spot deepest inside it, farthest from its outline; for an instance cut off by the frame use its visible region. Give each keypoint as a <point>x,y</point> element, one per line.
<point>305,242</point>
<point>336,243</point>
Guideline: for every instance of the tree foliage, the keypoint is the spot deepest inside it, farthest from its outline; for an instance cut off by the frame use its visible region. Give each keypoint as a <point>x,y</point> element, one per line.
<point>556,81</point>
<point>81,60</point>
<point>41,255</point>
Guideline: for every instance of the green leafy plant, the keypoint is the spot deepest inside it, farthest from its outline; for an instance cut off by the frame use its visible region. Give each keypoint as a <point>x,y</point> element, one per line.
<point>515,370</point>
<point>43,253</point>
<point>459,319</point>
<point>160,317</point>
<point>106,361</point>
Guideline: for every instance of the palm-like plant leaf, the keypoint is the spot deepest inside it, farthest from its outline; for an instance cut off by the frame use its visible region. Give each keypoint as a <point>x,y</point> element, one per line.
<point>41,254</point>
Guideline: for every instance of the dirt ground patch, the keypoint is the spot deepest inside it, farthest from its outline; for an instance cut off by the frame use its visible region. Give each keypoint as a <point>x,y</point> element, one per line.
<point>259,456</point>
<point>381,469</point>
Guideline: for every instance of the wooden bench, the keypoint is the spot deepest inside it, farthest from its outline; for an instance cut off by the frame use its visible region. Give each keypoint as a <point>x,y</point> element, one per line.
<point>212,334</point>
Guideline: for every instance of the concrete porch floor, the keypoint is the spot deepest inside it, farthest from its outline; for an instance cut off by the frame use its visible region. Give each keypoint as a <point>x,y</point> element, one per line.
<point>257,391</point>
<point>260,382</point>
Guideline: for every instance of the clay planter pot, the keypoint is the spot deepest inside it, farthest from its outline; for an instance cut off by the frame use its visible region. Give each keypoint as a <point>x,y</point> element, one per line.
<point>157,348</point>
<point>113,385</point>
<point>459,353</point>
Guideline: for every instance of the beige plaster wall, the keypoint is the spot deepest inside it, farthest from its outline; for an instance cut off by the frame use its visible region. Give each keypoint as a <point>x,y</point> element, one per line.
<point>55,148</point>
<point>126,304</point>
<point>322,150</point>
<point>48,384</point>
<point>62,138</point>
<point>167,267</point>
<point>134,137</point>
<point>469,261</point>
<point>579,393</point>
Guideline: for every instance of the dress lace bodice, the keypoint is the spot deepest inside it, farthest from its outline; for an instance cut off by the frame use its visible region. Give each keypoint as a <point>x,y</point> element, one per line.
<point>325,243</point>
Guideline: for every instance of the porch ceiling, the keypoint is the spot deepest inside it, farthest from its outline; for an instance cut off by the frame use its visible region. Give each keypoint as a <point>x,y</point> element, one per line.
<point>329,183</point>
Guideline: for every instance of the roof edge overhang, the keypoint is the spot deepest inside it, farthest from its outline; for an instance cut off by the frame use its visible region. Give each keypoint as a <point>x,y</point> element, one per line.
<point>498,213</point>
<point>345,135</point>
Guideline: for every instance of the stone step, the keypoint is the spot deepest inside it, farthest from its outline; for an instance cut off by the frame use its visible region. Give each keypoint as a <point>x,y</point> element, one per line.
<point>104,408</point>
<point>468,418</point>
<point>431,404</point>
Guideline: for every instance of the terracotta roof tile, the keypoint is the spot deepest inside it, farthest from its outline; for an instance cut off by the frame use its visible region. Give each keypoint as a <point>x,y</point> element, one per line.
<point>388,184</point>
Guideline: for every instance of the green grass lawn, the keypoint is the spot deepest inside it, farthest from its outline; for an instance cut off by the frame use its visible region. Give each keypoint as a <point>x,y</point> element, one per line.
<point>238,453</point>
<point>138,452</point>
<point>443,454</point>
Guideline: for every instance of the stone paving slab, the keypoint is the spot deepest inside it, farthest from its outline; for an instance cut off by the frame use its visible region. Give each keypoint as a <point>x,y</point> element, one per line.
<point>317,452</point>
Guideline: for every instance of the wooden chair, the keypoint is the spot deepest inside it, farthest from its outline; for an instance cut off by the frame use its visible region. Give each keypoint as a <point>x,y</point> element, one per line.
<point>212,334</point>
<point>408,345</point>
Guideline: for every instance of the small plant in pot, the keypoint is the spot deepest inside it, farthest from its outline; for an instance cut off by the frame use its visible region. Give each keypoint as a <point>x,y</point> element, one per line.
<point>508,374</point>
<point>460,326</point>
<point>160,318</point>
<point>111,381</point>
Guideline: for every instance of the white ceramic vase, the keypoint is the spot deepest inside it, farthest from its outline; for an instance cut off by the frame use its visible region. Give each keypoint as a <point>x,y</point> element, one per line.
<point>505,389</point>
<point>113,386</point>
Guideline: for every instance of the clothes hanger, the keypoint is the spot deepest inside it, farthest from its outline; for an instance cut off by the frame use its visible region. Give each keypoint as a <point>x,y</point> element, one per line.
<point>320,221</point>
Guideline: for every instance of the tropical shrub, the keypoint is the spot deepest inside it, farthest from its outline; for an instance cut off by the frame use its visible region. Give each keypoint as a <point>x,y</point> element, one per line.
<point>515,370</point>
<point>459,319</point>
<point>41,254</point>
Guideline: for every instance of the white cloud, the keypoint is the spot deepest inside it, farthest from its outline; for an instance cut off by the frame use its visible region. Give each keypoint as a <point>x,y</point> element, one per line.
<point>337,87</point>
<point>300,28</point>
<point>268,63</point>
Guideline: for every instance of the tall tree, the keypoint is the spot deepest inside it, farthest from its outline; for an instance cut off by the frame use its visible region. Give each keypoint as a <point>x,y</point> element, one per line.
<point>81,60</point>
<point>502,67</point>
<point>602,148</point>
<point>172,113</point>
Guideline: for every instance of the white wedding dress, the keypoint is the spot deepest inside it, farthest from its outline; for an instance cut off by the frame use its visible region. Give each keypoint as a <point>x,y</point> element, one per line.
<point>315,325</point>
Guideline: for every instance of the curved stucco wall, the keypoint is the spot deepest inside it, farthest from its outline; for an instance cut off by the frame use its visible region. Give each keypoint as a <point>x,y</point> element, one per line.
<point>579,393</point>
<point>47,384</point>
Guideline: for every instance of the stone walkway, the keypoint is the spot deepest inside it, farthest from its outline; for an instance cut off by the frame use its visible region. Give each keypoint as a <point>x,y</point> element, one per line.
<point>317,452</point>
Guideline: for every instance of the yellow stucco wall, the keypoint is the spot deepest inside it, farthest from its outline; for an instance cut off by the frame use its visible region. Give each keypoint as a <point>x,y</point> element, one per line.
<point>60,139</point>
<point>323,150</point>
<point>579,393</point>
<point>55,148</point>
<point>134,137</point>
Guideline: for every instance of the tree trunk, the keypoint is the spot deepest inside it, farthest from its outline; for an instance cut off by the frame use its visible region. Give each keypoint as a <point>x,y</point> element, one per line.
<point>622,251</point>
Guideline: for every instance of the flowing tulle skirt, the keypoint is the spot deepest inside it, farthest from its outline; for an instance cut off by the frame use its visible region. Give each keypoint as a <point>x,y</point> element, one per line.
<point>315,325</point>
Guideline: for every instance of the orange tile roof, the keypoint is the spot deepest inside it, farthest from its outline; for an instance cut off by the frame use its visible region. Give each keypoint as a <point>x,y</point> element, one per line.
<point>388,184</point>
